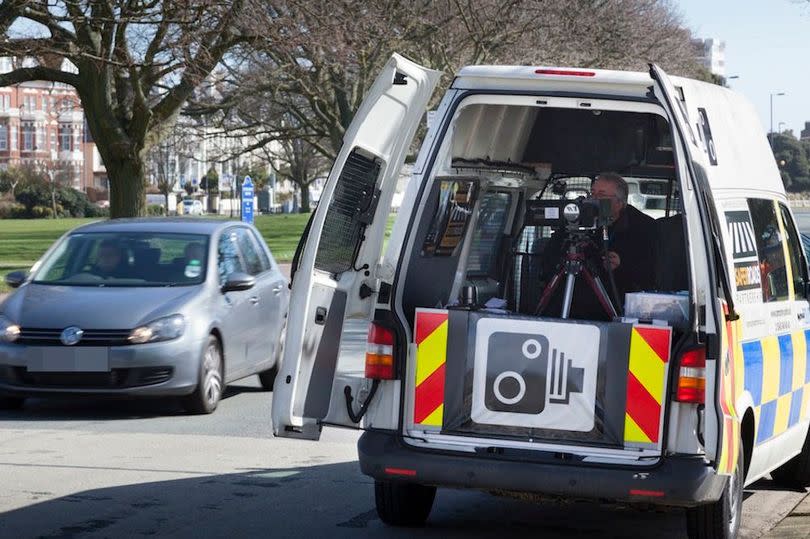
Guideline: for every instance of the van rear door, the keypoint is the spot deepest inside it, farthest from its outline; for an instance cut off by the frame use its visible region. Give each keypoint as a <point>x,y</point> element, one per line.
<point>335,279</point>
<point>722,424</point>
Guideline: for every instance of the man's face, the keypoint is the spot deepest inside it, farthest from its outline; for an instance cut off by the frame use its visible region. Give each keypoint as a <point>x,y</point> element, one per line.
<point>603,189</point>
<point>108,258</point>
<point>194,252</point>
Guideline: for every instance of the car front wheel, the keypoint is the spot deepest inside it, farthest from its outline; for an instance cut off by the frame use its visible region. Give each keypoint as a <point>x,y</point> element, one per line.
<point>211,384</point>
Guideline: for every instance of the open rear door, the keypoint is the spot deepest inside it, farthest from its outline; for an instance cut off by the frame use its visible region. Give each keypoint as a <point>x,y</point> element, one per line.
<point>722,424</point>
<point>335,277</point>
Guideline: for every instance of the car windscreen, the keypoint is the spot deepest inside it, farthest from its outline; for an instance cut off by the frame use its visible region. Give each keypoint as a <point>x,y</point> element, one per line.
<point>126,259</point>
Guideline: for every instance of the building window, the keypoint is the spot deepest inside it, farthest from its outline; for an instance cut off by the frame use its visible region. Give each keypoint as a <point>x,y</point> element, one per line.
<point>5,102</point>
<point>64,139</point>
<point>14,137</point>
<point>52,147</point>
<point>28,131</point>
<point>40,138</point>
<point>3,137</point>
<point>30,103</point>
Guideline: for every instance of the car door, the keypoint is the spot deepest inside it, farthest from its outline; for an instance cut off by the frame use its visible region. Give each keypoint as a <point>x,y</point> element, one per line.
<point>238,311</point>
<point>722,429</point>
<point>336,277</point>
<point>278,296</point>
<point>265,299</point>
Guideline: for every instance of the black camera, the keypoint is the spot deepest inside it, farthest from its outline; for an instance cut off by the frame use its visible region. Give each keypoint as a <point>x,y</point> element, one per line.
<point>578,214</point>
<point>524,373</point>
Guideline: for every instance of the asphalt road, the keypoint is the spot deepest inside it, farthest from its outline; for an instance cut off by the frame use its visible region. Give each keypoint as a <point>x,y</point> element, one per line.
<point>99,468</point>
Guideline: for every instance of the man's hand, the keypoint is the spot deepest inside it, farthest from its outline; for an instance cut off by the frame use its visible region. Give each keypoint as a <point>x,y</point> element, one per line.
<point>613,260</point>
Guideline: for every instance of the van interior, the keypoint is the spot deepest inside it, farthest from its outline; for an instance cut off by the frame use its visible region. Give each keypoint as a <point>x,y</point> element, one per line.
<point>474,232</point>
<point>483,251</point>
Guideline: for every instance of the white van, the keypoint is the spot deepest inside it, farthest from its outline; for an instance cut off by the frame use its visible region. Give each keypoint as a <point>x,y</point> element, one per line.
<point>694,387</point>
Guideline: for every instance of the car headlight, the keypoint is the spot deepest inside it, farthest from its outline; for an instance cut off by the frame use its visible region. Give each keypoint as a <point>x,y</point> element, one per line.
<point>9,331</point>
<point>162,329</point>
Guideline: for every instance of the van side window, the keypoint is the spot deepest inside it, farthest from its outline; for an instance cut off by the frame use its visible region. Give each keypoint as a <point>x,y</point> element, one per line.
<point>456,202</point>
<point>486,241</point>
<point>770,250</point>
<point>797,266</point>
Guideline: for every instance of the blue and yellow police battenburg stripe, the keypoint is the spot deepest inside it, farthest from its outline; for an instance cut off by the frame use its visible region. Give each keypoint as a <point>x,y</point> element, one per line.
<point>777,374</point>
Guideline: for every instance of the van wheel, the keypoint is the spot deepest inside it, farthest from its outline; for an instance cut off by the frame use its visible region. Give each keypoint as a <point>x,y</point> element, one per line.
<point>11,403</point>
<point>210,384</point>
<point>267,378</point>
<point>721,519</point>
<point>795,473</point>
<point>403,504</point>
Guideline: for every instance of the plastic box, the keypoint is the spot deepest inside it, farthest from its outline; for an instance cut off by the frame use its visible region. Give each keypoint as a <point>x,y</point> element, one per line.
<point>672,308</point>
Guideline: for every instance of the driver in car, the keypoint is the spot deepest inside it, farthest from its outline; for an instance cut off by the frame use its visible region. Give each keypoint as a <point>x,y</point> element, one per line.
<point>110,260</point>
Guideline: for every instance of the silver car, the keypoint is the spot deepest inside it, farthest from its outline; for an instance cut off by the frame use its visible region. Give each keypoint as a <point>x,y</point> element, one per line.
<point>144,307</point>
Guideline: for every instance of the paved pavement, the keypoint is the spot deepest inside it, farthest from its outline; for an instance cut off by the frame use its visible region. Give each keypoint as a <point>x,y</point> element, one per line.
<point>97,468</point>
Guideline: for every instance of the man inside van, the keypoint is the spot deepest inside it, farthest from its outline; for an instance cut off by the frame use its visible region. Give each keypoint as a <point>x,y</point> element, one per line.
<point>630,249</point>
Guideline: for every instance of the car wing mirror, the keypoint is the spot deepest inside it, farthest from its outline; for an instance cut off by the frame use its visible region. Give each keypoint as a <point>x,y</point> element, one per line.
<point>16,278</point>
<point>237,281</point>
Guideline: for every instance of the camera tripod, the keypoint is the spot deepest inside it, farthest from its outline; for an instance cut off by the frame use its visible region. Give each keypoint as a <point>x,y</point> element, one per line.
<point>577,262</point>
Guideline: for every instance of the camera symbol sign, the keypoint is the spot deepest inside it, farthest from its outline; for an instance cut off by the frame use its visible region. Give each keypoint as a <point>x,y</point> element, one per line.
<point>535,374</point>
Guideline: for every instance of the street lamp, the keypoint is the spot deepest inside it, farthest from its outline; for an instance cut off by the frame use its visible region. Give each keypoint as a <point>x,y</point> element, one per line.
<point>771,129</point>
<point>779,127</point>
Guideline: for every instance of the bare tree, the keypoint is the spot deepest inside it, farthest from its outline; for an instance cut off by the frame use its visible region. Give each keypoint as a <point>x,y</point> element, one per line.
<point>136,64</point>
<point>318,61</point>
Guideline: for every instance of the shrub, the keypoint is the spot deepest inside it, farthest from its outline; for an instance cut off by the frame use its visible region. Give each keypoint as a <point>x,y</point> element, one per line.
<point>154,209</point>
<point>41,212</point>
<point>11,210</point>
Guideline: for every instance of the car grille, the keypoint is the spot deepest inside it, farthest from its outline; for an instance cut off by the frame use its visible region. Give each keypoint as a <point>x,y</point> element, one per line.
<point>115,379</point>
<point>91,337</point>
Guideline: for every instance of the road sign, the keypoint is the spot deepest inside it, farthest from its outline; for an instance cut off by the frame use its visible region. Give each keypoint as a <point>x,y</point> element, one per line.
<point>247,200</point>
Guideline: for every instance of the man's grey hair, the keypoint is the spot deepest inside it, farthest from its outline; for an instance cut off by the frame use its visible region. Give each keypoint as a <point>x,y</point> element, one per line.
<point>621,185</point>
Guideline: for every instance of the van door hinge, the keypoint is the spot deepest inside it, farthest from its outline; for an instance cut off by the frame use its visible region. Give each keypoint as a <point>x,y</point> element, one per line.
<point>366,215</point>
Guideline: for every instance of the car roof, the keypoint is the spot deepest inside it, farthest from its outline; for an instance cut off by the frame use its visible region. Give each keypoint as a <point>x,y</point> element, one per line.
<point>184,225</point>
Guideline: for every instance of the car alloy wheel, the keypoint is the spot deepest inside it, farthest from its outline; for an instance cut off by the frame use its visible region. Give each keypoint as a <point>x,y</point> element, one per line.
<point>212,374</point>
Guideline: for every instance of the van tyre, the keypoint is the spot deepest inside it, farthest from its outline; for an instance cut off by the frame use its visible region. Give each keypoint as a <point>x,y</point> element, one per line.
<point>795,473</point>
<point>721,519</point>
<point>210,384</point>
<point>403,504</point>
<point>11,403</point>
<point>267,378</point>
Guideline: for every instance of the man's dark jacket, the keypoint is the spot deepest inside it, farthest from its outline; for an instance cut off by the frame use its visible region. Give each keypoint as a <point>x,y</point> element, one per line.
<point>632,237</point>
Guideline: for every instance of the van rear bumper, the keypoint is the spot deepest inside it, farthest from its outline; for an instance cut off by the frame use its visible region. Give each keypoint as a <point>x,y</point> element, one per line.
<point>684,481</point>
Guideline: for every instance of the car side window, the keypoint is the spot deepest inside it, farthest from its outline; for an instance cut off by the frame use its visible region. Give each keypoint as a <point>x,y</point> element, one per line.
<point>798,269</point>
<point>228,260</point>
<point>253,262</point>
<point>770,250</point>
<point>265,258</point>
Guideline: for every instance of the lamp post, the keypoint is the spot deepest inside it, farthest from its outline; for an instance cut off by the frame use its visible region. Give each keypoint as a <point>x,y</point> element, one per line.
<point>770,133</point>
<point>779,127</point>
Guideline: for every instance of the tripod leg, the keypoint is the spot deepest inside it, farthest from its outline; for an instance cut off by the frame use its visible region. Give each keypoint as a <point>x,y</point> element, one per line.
<point>569,295</point>
<point>601,294</point>
<point>548,291</point>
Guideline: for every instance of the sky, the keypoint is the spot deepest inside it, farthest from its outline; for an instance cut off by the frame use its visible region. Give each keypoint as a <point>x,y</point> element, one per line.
<point>767,47</point>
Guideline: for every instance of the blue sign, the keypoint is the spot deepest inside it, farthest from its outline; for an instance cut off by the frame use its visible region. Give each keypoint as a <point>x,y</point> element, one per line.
<point>247,200</point>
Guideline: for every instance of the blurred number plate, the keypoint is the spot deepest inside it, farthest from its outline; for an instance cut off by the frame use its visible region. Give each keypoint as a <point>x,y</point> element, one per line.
<point>58,359</point>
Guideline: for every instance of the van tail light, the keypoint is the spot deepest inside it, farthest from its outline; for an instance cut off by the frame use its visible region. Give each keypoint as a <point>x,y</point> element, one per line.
<point>565,72</point>
<point>692,377</point>
<point>380,353</point>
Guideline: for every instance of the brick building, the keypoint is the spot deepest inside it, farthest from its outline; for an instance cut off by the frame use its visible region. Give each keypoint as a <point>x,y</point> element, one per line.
<point>42,124</point>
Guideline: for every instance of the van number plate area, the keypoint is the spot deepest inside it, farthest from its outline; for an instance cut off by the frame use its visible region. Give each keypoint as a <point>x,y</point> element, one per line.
<point>535,374</point>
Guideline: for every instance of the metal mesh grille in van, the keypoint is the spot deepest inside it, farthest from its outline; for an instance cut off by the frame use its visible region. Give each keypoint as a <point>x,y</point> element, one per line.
<point>354,193</point>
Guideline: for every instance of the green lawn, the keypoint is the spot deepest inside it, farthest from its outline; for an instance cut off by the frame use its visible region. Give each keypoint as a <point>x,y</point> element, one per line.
<point>22,241</point>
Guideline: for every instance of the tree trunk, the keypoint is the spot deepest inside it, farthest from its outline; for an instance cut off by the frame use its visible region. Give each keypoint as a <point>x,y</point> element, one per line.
<point>304,198</point>
<point>127,188</point>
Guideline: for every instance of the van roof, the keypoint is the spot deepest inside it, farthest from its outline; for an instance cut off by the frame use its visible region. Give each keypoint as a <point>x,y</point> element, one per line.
<point>744,158</point>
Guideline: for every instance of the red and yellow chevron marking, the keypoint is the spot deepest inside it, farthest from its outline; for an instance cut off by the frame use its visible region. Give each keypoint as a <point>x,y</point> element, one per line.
<point>646,382</point>
<point>730,384</point>
<point>431,355</point>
